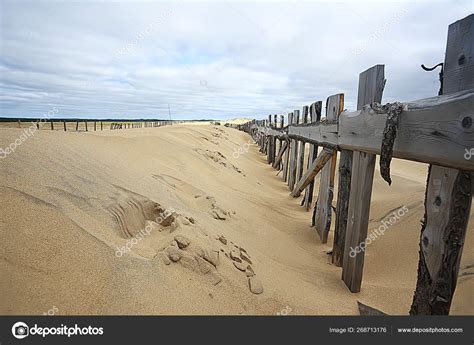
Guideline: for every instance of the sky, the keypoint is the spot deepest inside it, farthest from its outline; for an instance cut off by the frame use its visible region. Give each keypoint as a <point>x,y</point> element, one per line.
<point>212,59</point>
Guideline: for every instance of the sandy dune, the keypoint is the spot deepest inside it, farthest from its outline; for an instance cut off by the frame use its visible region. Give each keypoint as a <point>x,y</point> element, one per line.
<point>190,202</point>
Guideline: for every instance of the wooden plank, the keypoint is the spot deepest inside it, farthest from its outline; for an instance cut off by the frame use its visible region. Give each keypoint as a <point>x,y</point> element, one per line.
<point>342,207</point>
<point>315,113</point>
<point>458,63</point>
<point>293,154</point>
<point>371,84</point>
<point>287,155</point>
<point>278,159</point>
<point>268,131</point>
<point>274,140</point>
<point>430,130</point>
<point>322,133</point>
<point>312,171</point>
<point>323,211</point>
<point>302,147</point>
<point>449,194</point>
<point>344,185</point>
<point>282,124</point>
<point>270,142</point>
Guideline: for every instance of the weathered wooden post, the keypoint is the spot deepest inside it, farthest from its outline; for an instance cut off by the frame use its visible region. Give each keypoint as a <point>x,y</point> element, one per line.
<point>286,161</point>
<point>371,85</point>
<point>293,154</point>
<point>269,141</point>
<point>275,141</point>
<point>315,113</point>
<point>342,207</point>
<point>64,123</point>
<point>283,146</point>
<point>101,128</point>
<point>77,125</point>
<point>95,126</point>
<point>302,147</point>
<point>52,125</point>
<point>264,136</point>
<point>282,124</point>
<point>323,210</point>
<point>345,172</point>
<point>449,192</point>
<point>19,123</point>
<point>85,122</point>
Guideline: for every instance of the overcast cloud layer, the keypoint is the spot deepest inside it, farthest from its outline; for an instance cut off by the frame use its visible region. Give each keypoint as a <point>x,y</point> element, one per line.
<point>212,59</point>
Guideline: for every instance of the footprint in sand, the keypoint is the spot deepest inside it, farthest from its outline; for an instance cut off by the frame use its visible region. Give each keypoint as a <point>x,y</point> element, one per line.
<point>210,140</point>
<point>206,201</point>
<point>194,256</point>
<point>204,259</point>
<point>241,261</point>
<point>136,213</point>
<point>195,197</point>
<point>219,158</point>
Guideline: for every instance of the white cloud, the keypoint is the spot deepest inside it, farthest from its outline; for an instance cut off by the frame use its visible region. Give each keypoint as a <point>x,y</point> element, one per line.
<point>212,59</point>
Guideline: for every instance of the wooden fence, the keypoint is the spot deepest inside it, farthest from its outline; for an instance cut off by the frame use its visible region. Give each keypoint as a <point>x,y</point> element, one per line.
<point>88,125</point>
<point>438,131</point>
<point>145,124</point>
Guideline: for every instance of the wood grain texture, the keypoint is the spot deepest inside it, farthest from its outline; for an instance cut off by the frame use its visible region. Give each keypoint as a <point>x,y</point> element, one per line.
<point>371,84</point>
<point>293,154</point>
<point>448,195</point>
<point>322,133</point>
<point>342,207</point>
<point>301,149</point>
<point>269,141</point>
<point>323,211</point>
<point>430,130</point>
<point>315,114</point>
<point>434,130</point>
<point>286,159</point>
<point>279,157</point>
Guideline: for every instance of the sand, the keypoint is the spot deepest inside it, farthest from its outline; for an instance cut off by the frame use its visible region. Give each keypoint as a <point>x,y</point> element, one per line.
<point>197,206</point>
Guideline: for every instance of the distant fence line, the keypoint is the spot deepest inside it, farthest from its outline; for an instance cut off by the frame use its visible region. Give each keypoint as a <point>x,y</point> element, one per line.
<point>87,125</point>
<point>438,131</point>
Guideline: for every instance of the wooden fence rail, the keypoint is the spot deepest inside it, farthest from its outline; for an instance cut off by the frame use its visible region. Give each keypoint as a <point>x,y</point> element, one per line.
<point>438,131</point>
